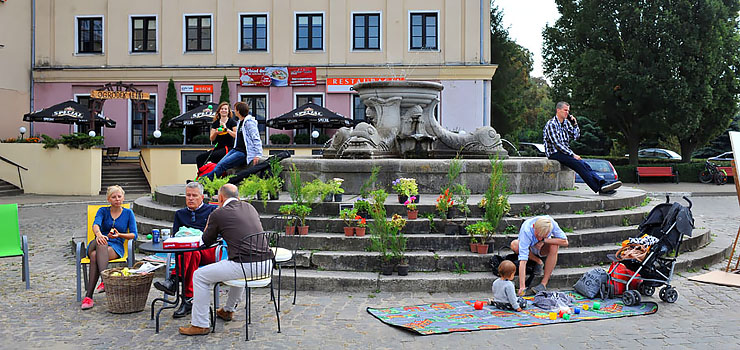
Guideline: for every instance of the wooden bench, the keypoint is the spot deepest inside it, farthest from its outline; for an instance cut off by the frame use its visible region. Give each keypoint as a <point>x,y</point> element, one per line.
<point>656,171</point>
<point>728,170</point>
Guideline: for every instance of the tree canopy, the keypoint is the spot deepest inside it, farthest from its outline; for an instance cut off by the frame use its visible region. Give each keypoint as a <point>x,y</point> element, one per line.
<point>643,67</point>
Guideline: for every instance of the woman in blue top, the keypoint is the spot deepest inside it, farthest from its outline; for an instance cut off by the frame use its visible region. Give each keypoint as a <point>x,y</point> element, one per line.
<point>112,226</point>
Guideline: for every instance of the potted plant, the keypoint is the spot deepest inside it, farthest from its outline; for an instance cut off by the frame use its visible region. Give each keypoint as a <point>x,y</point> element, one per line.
<point>444,203</point>
<point>211,187</point>
<point>380,230</point>
<point>336,188</point>
<point>348,215</point>
<point>361,226</point>
<point>363,207</point>
<point>249,187</point>
<point>411,211</point>
<point>397,243</point>
<point>483,230</point>
<point>276,181</point>
<point>406,187</point>
<point>496,202</point>
<point>302,210</point>
<point>288,210</point>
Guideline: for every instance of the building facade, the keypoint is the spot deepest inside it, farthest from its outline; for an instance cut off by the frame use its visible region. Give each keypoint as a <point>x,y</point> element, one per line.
<point>15,66</point>
<point>314,51</point>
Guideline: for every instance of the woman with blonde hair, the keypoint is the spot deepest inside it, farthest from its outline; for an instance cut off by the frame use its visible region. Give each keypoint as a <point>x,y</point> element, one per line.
<point>223,131</point>
<point>112,225</point>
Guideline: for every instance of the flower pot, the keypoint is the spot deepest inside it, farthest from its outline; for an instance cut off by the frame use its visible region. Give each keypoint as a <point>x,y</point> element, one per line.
<point>386,269</point>
<point>289,230</point>
<point>482,248</point>
<point>473,247</point>
<point>349,231</point>
<point>403,269</point>
<point>275,196</point>
<point>337,197</point>
<point>412,214</point>
<point>328,198</point>
<point>403,198</point>
<point>360,231</point>
<point>302,230</point>
<point>363,214</point>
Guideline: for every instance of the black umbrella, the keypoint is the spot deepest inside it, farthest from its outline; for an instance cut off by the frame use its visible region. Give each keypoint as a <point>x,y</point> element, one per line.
<point>201,115</point>
<point>68,112</point>
<point>310,114</point>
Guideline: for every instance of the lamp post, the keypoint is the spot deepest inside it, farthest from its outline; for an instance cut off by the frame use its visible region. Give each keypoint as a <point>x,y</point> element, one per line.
<point>91,133</point>
<point>157,134</point>
<point>22,130</point>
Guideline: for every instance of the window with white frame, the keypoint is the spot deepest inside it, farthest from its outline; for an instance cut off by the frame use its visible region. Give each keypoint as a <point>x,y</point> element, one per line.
<point>253,33</point>
<point>366,31</point>
<point>90,35</point>
<point>309,31</point>
<point>137,121</point>
<point>144,34</point>
<point>300,100</point>
<point>258,109</point>
<point>358,109</point>
<point>198,33</point>
<point>424,31</point>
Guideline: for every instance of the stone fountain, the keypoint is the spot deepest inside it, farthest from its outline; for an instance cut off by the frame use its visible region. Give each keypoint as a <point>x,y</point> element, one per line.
<point>401,123</point>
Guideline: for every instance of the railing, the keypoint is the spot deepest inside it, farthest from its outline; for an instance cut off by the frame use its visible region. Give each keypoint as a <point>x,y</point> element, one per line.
<point>141,159</point>
<point>18,167</point>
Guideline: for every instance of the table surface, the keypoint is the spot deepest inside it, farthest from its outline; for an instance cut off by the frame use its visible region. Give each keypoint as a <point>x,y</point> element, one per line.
<point>157,248</point>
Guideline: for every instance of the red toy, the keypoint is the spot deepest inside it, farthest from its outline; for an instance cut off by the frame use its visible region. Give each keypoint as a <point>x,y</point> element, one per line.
<point>478,305</point>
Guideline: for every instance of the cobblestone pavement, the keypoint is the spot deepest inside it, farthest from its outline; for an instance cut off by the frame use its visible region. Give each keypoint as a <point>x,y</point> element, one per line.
<point>47,316</point>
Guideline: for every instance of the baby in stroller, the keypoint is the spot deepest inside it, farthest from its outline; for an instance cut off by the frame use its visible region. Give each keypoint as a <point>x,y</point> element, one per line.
<point>667,223</point>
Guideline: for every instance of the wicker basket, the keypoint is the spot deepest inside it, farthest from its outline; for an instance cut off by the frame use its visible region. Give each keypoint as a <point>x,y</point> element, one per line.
<point>126,294</point>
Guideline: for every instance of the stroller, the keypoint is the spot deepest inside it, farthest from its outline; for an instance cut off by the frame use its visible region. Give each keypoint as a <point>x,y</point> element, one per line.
<point>669,223</point>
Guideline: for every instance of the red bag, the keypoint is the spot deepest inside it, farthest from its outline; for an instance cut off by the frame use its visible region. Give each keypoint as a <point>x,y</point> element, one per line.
<point>206,168</point>
<point>618,287</point>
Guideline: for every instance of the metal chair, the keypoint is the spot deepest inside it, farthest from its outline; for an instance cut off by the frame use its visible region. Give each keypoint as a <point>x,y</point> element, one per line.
<point>111,155</point>
<point>286,254</point>
<point>256,275</point>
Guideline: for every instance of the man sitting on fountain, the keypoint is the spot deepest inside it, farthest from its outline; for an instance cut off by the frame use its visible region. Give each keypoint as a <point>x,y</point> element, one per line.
<point>539,237</point>
<point>558,133</point>
<point>194,216</point>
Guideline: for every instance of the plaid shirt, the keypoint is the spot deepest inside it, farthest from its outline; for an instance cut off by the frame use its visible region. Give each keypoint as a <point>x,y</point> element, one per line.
<point>557,136</point>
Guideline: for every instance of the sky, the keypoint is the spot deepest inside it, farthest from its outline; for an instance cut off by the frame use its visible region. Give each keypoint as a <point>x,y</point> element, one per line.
<point>525,20</point>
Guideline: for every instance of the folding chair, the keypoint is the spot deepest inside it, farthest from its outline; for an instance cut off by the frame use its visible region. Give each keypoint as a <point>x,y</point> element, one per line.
<point>111,155</point>
<point>12,243</point>
<point>81,257</point>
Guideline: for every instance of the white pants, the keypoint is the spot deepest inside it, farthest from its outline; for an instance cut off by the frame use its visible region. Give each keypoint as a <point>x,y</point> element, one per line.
<point>204,279</point>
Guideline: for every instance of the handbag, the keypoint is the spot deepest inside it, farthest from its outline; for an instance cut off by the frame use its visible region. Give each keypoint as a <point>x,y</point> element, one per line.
<point>632,251</point>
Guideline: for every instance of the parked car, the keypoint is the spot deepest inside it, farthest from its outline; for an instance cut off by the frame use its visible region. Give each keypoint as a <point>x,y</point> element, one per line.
<point>727,156</point>
<point>602,167</point>
<point>528,149</point>
<point>657,153</point>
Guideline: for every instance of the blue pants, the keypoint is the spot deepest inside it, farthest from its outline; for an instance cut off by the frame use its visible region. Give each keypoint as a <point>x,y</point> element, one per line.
<point>592,179</point>
<point>232,159</point>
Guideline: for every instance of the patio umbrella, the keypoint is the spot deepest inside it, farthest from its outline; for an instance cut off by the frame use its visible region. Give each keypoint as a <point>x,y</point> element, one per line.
<point>307,115</point>
<point>68,112</point>
<point>201,115</point>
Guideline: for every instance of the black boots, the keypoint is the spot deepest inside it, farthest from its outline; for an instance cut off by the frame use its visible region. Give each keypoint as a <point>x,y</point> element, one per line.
<point>185,308</point>
<point>168,286</point>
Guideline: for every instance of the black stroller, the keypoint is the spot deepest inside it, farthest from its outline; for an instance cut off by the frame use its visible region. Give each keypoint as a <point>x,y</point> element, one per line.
<point>669,223</point>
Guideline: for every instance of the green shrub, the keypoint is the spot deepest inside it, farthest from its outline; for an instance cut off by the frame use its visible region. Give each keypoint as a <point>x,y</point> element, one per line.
<point>76,140</point>
<point>279,139</point>
<point>687,172</point>
<point>302,139</point>
<point>170,138</point>
<point>201,140</point>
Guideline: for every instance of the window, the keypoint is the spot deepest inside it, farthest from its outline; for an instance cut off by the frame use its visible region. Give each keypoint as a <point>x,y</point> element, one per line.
<point>358,109</point>
<point>192,101</point>
<point>366,32</point>
<point>198,33</point>
<point>424,31</point>
<point>300,101</point>
<point>254,33</point>
<point>309,32</point>
<point>137,121</point>
<point>90,35</point>
<point>144,34</point>
<point>84,128</point>
<point>258,109</point>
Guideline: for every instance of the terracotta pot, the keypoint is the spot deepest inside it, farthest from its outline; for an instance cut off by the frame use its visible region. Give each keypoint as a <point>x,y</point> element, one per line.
<point>482,248</point>
<point>473,247</point>
<point>289,230</point>
<point>303,230</point>
<point>360,231</point>
<point>412,214</point>
<point>349,231</point>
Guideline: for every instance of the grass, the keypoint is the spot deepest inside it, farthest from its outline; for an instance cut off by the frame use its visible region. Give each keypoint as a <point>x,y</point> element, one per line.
<point>645,201</point>
<point>460,268</point>
<point>568,189</point>
<point>371,296</point>
<point>526,211</point>
<point>436,256</point>
<point>579,212</point>
<point>510,230</point>
<point>567,229</point>
<point>626,222</point>
<point>629,207</point>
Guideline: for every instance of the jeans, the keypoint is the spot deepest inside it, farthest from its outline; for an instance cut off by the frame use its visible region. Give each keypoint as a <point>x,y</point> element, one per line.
<point>592,179</point>
<point>232,159</point>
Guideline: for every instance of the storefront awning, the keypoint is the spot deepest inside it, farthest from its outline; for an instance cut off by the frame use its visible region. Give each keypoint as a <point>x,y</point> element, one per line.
<point>307,115</point>
<point>68,112</point>
<point>201,115</point>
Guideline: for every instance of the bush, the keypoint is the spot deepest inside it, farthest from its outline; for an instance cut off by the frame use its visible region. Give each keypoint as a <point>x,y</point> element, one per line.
<point>279,139</point>
<point>302,139</point>
<point>76,140</point>
<point>322,139</point>
<point>170,138</point>
<point>687,172</point>
<point>201,140</point>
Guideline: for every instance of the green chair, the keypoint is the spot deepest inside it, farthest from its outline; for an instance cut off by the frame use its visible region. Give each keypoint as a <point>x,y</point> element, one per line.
<point>12,243</point>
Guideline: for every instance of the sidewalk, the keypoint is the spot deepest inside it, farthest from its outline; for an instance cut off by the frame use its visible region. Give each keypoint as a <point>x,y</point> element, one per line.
<point>690,189</point>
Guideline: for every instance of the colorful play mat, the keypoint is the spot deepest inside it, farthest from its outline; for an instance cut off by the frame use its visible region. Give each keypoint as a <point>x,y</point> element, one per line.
<point>461,316</point>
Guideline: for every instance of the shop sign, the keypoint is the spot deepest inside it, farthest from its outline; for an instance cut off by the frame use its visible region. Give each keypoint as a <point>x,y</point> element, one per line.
<point>343,85</point>
<point>118,95</point>
<point>277,76</point>
<point>200,89</point>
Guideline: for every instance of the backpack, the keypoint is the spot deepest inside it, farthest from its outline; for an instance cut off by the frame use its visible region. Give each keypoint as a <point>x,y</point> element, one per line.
<point>496,260</point>
<point>590,284</point>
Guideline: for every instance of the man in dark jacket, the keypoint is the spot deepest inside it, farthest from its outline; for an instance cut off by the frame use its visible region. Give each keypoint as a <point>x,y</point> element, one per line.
<point>234,220</point>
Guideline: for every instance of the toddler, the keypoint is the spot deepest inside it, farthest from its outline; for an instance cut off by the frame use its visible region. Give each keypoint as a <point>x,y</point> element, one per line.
<point>504,294</point>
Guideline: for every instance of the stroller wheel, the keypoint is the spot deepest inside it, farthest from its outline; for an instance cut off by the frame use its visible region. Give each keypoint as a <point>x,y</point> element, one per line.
<point>669,294</point>
<point>646,290</point>
<point>631,297</point>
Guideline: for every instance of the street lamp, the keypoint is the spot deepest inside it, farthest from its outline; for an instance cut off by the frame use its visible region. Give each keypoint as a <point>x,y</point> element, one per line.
<point>91,133</point>
<point>22,130</point>
<point>157,134</point>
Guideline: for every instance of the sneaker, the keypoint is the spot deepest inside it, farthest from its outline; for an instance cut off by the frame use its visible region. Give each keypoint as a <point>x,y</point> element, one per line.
<point>610,187</point>
<point>538,270</point>
<point>225,315</point>
<point>87,303</point>
<point>607,192</point>
<point>100,289</point>
<point>538,288</point>
<point>194,330</point>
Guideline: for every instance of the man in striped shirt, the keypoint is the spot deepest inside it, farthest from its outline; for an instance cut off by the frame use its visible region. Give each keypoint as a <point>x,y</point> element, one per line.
<point>558,133</point>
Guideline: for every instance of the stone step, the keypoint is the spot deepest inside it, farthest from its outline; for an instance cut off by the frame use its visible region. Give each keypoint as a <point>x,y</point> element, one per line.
<point>117,178</point>
<point>475,282</point>
<point>446,260</point>
<point>10,192</point>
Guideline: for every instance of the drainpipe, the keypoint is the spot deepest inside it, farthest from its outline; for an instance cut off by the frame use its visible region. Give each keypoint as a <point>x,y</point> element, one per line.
<point>33,56</point>
<point>482,27</point>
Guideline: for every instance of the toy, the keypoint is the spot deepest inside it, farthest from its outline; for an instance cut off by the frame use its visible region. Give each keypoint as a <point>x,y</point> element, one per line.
<point>478,305</point>
<point>149,236</point>
<point>585,307</point>
<point>597,305</point>
<point>577,310</point>
<point>553,316</point>
<point>561,313</point>
<point>566,317</point>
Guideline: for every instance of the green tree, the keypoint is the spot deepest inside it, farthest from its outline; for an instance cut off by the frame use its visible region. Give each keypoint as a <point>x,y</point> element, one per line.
<point>720,143</point>
<point>539,108</point>
<point>511,79</point>
<point>171,108</point>
<point>593,140</point>
<point>224,91</point>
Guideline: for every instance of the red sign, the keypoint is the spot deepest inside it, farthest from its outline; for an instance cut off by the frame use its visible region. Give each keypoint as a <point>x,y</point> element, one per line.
<point>202,89</point>
<point>277,76</point>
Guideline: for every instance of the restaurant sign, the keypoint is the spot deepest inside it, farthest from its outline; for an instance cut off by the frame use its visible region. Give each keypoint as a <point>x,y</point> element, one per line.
<point>343,85</point>
<point>277,76</point>
<point>119,95</point>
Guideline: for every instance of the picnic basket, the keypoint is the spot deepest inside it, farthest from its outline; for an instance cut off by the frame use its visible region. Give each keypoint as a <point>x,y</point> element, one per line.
<point>126,294</point>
